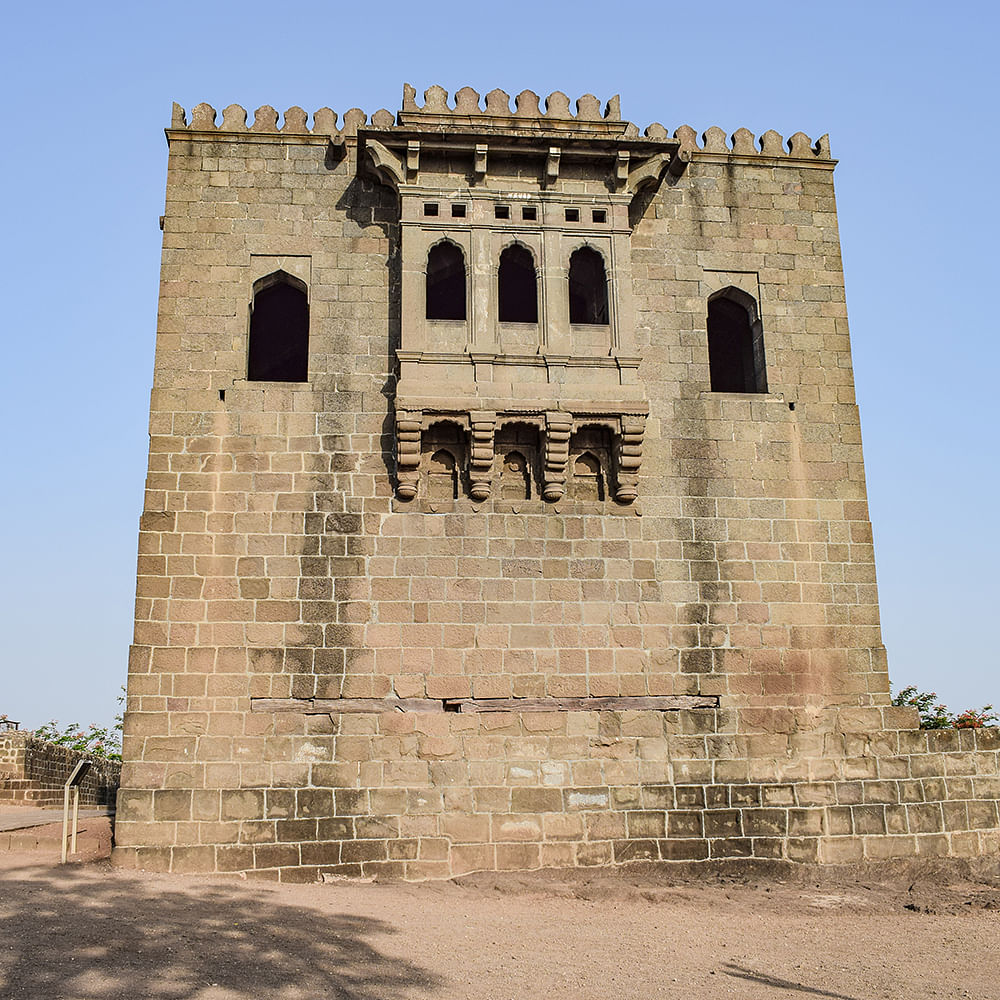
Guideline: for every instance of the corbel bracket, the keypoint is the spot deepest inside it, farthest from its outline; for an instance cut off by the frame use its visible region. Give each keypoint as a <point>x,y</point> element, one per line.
<point>629,457</point>
<point>552,165</point>
<point>621,168</point>
<point>678,162</point>
<point>481,456</point>
<point>408,424</point>
<point>479,165</point>
<point>386,164</point>
<point>558,427</point>
<point>412,159</point>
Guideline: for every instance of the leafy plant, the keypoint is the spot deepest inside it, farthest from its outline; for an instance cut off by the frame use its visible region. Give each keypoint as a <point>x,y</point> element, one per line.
<point>934,715</point>
<point>973,718</point>
<point>99,741</point>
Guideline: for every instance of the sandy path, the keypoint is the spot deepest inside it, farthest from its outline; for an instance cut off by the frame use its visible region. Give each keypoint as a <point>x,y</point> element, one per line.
<point>91,931</point>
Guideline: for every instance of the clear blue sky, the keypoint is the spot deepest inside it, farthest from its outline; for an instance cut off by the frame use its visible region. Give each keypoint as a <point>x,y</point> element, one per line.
<point>908,93</point>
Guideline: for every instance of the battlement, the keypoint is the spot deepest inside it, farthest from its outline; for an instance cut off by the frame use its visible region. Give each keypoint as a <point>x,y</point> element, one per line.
<point>469,111</point>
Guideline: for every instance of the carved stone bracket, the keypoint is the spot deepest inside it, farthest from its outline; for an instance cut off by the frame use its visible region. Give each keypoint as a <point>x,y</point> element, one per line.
<point>479,163</point>
<point>552,164</point>
<point>558,427</point>
<point>386,164</point>
<point>622,168</point>
<point>481,454</point>
<point>408,452</point>
<point>629,458</point>
<point>412,159</point>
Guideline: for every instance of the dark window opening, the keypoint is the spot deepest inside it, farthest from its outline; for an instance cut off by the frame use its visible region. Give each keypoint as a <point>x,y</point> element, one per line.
<point>517,286</point>
<point>501,211</point>
<point>572,215</point>
<point>430,209</point>
<point>445,282</point>
<point>279,330</point>
<point>529,213</point>
<point>735,344</point>
<point>600,215</point>
<point>458,211</point>
<point>588,288</point>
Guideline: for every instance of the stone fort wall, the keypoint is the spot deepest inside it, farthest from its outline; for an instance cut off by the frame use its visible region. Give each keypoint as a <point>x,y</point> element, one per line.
<point>329,678</point>
<point>33,773</point>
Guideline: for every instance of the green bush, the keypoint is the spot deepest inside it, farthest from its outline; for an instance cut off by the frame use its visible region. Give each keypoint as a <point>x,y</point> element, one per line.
<point>934,715</point>
<point>99,741</point>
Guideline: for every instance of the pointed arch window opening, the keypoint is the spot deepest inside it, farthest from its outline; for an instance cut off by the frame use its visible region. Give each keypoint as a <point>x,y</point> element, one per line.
<point>735,343</point>
<point>278,341</point>
<point>588,288</point>
<point>517,286</point>
<point>446,282</point>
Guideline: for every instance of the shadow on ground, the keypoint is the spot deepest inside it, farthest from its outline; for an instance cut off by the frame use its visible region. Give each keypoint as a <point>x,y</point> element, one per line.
<point>763,979</point>
<point>74,932</point>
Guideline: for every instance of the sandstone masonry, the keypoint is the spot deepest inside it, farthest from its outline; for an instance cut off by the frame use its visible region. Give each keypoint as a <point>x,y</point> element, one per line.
<point>33,773</point>
<point>506,508</point>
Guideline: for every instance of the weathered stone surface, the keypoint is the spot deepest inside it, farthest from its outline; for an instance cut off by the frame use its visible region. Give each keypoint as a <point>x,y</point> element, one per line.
<point>322,597</point>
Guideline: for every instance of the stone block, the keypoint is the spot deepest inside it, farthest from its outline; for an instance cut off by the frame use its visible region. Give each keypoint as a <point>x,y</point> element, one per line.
<point>731,847</point>
<point>685,823</point>
<point>868,819</point>
<point>517,857</point>
<point>172,804</point>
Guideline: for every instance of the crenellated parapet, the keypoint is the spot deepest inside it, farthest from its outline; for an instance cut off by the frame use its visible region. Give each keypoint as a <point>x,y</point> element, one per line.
<point>556,112</point>
<point>265,121</point>
<point>497,111</point>
<point>743,143</point>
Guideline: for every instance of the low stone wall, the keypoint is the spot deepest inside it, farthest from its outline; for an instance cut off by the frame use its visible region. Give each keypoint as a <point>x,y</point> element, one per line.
<point>33,772</point>
<point>419,795</point>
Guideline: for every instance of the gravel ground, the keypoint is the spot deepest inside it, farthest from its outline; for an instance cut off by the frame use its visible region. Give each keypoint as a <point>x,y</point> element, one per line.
<point>90,931</point>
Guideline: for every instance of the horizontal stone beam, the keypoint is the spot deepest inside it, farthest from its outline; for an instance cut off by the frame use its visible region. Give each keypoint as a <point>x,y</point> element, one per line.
<point>339,706</point>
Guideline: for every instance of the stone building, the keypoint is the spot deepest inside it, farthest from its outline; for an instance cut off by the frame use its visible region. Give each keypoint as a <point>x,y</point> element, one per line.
<point>506,508</point>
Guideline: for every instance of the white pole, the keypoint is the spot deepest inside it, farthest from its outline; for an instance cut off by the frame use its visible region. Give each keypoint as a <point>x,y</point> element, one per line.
<point>65,835</point>
<point>76,815</point>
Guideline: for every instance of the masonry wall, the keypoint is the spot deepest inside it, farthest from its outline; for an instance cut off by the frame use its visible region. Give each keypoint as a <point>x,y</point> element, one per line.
<point>33,773</point>
<point>275,563</point>
<point>416,796</point>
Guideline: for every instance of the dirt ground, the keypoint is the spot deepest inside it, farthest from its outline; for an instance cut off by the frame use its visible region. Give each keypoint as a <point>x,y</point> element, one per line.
<point>87,931</point>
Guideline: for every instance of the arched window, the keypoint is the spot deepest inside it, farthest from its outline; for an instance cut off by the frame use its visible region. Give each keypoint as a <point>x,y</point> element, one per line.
<point>445,282</point>
<point>517,448</point>
<point>515,477</point>
<point>588,288</point>
<point>588,478</point>
<point>442,476</point>
<point>443,451</point>
<point>735,343</point>
<point>279,330</point>
<point>517,286</point>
